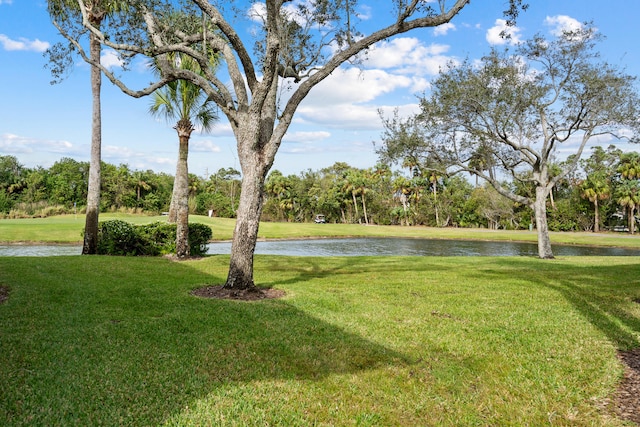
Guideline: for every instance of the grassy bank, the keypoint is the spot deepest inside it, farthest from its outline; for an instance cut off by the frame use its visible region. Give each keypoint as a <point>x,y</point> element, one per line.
<point>68,229</point>
<point>356,341</point>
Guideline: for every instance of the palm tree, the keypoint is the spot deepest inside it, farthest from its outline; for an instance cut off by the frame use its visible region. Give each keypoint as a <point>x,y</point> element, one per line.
<point>434,179</point>
<point>482,160</point>
<point>186,102</point>
<point>355,182</point>
<point>62,12</point>
<point>596,187</point>
<point>140,183</point>
<point>280,188</point>
<point>628,196</point>
<point>402,189</point>
<point>628,193</point>
<point>349,187</point>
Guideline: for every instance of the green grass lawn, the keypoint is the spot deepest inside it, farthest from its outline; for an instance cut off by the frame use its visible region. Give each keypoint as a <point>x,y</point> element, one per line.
<point>356,341</point>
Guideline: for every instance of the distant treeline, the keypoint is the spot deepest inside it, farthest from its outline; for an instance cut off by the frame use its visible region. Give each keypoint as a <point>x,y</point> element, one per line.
<point>341,193</point>
<point>28,192</point>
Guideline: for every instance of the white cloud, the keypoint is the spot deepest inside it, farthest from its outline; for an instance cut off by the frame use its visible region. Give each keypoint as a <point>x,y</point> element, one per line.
<point>58,147</point>
<point>292,10</point>
<point>500,26</point>
<point>350,97</point>
<point>306,137</point>
<point>6,1</point>
<point>110,59</point>
<point>115,152</point>
<point>23,44</point>
<point>356,86</point>
<point>10,143</point>
<point>257,12</point>
<point>406,110</point>
<point>365,12</point>
<point>562,23</point>
<point>409,55</point>
<point>347,98</point>
<point>154,163</point>
<point>204,146</point>
<point>419,84</point>
<point>340,116</point>
<point>301,142</point>
<point>222,129</point>
<point>443,29</point>
<point>137,160</point>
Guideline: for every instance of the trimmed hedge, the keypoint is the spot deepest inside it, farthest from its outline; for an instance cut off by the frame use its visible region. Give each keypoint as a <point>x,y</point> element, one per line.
<point>116,237</point>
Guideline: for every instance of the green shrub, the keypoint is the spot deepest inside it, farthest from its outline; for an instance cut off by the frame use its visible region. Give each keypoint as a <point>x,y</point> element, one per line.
<point>199,236</point>
<point>157,238</point>
<point>116,237</point>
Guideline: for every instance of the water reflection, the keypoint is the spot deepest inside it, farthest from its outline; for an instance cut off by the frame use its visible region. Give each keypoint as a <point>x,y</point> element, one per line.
<point>362,246</point>
<point>39,250</point>
<point>419,247</point>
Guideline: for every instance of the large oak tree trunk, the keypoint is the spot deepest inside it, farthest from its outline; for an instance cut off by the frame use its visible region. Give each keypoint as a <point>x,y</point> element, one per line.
<point>245,233</point>
<point>256,150</point>
<point>540,210</point>
<point>90,245</point>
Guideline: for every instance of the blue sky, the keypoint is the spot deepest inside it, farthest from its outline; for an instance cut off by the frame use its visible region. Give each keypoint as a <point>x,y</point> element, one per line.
<point>41,123</point>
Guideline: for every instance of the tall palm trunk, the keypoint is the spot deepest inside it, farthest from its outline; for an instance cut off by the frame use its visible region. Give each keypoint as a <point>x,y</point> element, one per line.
<point>180,197</point>
<point>551,199</point>
<point>364,209</point>
<point>90,245</point>
<point>173,208</point>
<point>355,205</point>
<point>596,226</point>
<point>403,199</point>
<point>435,205</point>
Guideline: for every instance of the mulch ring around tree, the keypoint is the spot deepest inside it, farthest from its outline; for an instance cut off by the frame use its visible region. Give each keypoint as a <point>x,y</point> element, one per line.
<point>251,294</point>
<point>626,400</point>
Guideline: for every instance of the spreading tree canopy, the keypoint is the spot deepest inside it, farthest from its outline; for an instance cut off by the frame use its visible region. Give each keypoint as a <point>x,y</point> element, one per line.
<point>301,42</point>
<point>508,115</point>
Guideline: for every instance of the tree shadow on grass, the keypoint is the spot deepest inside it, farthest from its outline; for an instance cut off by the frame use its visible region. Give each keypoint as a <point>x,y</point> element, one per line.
<point>119,341</point>
<point>605,296</point>
<point>309,268</point>
<point>602,294</point>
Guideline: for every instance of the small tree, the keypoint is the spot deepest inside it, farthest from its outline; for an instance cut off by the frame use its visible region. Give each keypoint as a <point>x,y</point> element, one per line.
<point>595,188</point>
<point>628,190</point>
<point>187,103</point>
<point>516,110</point>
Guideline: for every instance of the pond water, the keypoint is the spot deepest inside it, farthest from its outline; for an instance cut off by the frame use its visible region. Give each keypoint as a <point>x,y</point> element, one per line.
<point>362,246</point>
<point>418,247</point>
<point>39,250</point>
